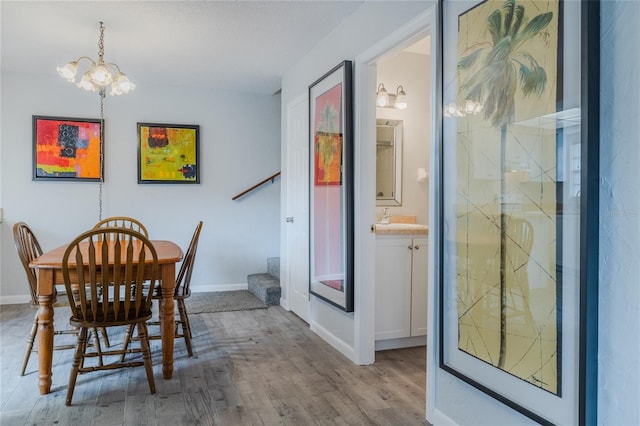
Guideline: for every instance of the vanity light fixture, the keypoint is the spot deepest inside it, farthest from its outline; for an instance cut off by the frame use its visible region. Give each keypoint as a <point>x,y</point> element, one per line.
<point>386,100</point>
<point>99,75</point>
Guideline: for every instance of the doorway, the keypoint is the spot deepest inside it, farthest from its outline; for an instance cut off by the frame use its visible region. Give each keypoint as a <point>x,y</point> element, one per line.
<point>421,29</point>
<point>403,114</point>
<point>410,44</point>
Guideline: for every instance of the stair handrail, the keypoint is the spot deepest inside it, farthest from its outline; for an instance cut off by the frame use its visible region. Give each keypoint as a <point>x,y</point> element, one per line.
<point>271,178</point>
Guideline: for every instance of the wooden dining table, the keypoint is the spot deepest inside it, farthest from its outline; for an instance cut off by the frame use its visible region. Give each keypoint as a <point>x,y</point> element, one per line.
<point>49,267</point>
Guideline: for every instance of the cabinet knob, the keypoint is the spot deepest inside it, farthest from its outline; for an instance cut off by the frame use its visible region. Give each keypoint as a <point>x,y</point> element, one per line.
<point>416,247</point>
<point>410,247</point>
<point>289,219</point>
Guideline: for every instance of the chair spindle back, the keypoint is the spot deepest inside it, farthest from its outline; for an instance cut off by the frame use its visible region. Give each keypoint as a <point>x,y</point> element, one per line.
<point>98,294</point>
<point>28,249</point>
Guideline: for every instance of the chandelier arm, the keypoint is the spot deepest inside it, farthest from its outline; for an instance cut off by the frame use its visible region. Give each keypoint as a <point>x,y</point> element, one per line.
<point>111,64</point>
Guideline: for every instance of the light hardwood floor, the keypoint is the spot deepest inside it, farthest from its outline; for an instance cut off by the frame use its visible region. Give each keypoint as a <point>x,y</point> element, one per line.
<point>258,367</point>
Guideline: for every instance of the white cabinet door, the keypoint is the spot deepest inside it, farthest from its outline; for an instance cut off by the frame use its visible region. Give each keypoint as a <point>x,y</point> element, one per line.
<point>419,287</point>
<point>393,287</point>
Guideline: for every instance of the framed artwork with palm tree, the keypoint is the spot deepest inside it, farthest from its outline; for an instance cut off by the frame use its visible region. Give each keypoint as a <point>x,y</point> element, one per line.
<point>511,286</point>
<point>331,187</point>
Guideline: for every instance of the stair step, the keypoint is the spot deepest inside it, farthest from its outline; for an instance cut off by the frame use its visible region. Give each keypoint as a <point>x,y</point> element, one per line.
<point>273,266</point>
<point>265,287</point>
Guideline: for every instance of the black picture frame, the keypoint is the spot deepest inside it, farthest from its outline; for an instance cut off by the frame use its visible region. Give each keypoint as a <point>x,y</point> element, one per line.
<point>168,153</point>
<point>331,187</point>
<point>574,139</point>
<point>67,149</point>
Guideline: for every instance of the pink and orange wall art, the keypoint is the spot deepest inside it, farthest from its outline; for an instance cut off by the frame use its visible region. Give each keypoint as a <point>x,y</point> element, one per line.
<point>67,148</point>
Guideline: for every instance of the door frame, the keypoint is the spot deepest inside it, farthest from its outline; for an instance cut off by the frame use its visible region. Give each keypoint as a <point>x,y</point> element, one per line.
<point>364,180</point>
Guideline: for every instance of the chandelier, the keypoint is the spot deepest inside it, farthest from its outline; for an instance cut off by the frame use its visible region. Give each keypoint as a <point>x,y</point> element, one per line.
<point>99,75</point>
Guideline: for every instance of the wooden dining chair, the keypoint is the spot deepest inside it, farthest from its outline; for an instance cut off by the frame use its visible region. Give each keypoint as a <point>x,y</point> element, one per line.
<point>124,301</point>
<point>123,222</point>
<point>180,294</point>
<point>28,249</point>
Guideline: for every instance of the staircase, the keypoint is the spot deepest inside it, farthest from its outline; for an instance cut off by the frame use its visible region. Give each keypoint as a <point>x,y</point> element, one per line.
<point>266,286</point>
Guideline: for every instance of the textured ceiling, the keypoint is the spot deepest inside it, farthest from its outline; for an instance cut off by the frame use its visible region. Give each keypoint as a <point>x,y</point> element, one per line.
<point>235,45</point>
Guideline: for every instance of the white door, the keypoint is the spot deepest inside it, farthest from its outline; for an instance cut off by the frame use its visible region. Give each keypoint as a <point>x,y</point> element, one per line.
<point>296,226</point>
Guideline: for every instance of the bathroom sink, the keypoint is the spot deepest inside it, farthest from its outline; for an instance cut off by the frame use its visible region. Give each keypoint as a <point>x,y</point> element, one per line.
<point>400,228</point>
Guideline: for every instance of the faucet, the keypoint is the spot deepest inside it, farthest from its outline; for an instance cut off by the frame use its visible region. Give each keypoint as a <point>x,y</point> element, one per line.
<point>385,215</point>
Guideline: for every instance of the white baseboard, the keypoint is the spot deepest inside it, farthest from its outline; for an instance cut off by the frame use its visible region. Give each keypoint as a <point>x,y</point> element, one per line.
<point>284,304</point>
<point>15,300</point>
<point>406,342</point>
<point>437,418</point>
<point>334,341</point>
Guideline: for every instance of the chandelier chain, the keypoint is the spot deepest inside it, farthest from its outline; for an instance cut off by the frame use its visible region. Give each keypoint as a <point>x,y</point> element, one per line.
<point>101,45</point>
<point>102,93</point>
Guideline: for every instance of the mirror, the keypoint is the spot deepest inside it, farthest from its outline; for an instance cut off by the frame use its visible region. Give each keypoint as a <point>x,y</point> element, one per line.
<point>388,162</point>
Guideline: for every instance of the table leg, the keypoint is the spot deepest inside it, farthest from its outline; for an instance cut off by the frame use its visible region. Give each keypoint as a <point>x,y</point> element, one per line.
<point>167,318</point>
<point>45,329</point>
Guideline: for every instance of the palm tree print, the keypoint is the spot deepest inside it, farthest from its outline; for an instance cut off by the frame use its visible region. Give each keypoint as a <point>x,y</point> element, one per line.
<point>502,63</point>
<point>498,69</point>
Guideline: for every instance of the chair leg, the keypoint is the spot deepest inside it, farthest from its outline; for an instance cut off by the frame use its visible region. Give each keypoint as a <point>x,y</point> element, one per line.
<point>75,367</point>
<point>186,326</point>
<point>187,316</point>
<point>127,338</point>
<point>27,351</point>
<point>96,340</point>
<point>105,336</point>
<point>143,334</point>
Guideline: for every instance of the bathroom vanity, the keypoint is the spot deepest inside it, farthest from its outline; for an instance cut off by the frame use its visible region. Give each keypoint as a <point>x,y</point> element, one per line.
<point>401,285</point>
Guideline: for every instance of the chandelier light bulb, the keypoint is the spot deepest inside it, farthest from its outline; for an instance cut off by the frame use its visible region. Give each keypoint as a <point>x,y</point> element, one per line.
<point>100,75</point>
<point>121,85</point>
<point>68,71</point>
<point>86,83</point>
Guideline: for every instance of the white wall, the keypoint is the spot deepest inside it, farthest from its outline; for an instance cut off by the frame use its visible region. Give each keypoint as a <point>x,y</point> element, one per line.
<point>412,71</point>
<point>371,22</point>
<point>239,146</point>
<point>619,323</point>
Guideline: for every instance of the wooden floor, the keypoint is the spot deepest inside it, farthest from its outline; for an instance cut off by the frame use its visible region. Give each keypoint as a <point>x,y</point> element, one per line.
<point>258,367</point>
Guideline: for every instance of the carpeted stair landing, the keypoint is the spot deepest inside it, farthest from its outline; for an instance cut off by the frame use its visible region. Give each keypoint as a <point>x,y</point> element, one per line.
<point>263,291</point>
<point>223,301</point>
